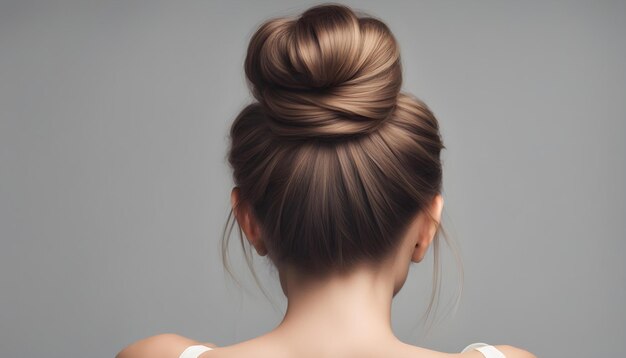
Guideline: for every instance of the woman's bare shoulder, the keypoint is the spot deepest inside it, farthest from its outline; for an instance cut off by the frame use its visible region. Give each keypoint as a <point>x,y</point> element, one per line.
<point>507,350</point>
<point>165,345</point>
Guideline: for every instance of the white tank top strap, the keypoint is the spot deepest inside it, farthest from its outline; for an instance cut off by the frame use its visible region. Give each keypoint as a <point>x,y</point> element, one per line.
<point>487,350</point>
<point>194,351</point>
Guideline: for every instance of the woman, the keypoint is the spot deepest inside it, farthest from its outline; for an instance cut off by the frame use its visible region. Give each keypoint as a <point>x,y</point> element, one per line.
<point>338,181</point>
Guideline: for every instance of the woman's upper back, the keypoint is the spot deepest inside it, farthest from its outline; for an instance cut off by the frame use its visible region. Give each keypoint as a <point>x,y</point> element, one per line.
<point>176,346</point>
<point>485,350</point>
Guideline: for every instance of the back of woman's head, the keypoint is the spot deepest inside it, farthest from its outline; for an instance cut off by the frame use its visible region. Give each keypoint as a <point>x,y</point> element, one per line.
<point>332,158</point>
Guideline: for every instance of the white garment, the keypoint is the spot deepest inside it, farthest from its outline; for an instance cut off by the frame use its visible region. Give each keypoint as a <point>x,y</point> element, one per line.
<point>194,351</point>
<point>487,350</point>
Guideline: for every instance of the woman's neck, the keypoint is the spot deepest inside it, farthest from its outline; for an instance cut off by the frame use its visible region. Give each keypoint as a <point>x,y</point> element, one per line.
<point>352,308</point>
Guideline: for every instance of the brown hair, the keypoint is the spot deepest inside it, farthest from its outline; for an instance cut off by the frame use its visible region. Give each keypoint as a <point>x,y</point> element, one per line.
<point>332,158</point>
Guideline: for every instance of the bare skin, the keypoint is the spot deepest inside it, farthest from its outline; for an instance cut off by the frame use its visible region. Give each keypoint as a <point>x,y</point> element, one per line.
<point>339,316</point>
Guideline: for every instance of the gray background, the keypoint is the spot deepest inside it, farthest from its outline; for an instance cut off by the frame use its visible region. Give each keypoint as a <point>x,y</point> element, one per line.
<point>114,186</point>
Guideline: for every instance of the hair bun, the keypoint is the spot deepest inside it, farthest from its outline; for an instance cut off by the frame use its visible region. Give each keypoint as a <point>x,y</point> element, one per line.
<point>326,73</point>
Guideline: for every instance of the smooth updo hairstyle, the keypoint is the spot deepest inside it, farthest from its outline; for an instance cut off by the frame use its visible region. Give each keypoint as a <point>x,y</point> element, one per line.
<point>332,158</point>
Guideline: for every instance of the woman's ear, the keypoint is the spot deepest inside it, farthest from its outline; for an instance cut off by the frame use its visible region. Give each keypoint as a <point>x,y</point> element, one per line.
<point>248,222</point>
<point>427,228</point>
